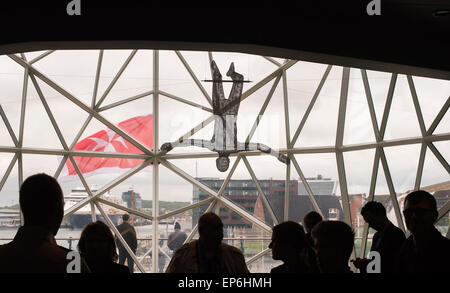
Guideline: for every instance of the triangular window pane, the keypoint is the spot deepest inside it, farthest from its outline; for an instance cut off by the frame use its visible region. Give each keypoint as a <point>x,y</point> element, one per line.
<point>358,123</point>
<point>433,171</point>
<point>72,70</point>
<point>303,78</point>
<point>318,130</point>
<point>136,79</point>
<point>432,94</point>
<point>402,109</point>
<point>403,162</point>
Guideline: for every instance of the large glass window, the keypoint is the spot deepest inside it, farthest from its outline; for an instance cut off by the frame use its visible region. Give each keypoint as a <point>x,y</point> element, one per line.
<point>88,118</point>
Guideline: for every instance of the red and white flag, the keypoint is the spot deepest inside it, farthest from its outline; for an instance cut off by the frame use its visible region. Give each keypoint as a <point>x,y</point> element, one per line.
<point>140,127</point>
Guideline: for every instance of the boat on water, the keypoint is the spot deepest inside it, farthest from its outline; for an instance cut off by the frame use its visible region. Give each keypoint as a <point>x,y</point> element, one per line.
<point>83,216</point>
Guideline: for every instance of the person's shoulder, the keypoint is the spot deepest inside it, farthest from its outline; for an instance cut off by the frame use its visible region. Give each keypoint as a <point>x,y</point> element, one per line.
<point>62,248</point>
<point>396,232</point>
<point>445,248</point>
<point>444,241</point>
<point>129,226</point>
<point>7,250</point>
<point>231,249</point>
<point>62,251</point>
<point>5,247</point>
<point>395,229</point>
<point>278,270</point>
<point>186,247</point>
<point>409,240</point>
<point>54,251</point>
<point>375,235</point>
<point>407,244</point>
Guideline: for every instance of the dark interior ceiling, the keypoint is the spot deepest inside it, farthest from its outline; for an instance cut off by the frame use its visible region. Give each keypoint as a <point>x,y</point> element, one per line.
<point>406,37</point>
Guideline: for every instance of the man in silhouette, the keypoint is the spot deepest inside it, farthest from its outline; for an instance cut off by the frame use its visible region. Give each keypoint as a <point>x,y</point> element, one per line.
<point>129,235</point>
<point>224,140</point>
<point>176,238</point>
<point>208,254</point>
<point>34,249</point>
<point>426,250</point>
<point>333,243</point>
<point>310,220</point>
<point>289,245</point>
<point>387,241</point>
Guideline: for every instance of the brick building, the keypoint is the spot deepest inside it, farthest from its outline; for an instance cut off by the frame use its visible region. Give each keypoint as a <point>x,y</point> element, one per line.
<point>245,194</point>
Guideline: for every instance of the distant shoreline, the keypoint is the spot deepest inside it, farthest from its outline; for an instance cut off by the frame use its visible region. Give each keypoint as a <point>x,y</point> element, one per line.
<point>9,227</point>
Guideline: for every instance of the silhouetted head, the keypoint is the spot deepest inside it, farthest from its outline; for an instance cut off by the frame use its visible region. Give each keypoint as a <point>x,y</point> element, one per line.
<point>420,211</point>
<point>177,226</point>
<point>310,220</point>
<point>97,243</point>
<point>288,240</point>
<point>125,217</point>
<point>210,228</point>
<point>42,202</point>
<point>222,163</point>
<point>374,214</point>
<point>333,243</point>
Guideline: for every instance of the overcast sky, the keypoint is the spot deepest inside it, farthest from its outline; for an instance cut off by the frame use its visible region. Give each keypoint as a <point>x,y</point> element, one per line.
<point>75,72</point>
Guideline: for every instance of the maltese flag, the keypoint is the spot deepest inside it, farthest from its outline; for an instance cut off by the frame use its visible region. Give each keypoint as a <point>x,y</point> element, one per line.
<point>140,127</point>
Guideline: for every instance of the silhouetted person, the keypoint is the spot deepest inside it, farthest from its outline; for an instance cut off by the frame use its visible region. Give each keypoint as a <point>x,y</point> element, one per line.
<point>98,248</point>
<point>208,254</point>
<point>289,245</point>
<point>426,250</point>
<point>333,243</point>
<point>309,221</point>
<point>34,248</point>
<point>162,257</point>
<point>176,238</point>
<point>387,240</point>
<point>129,235</point>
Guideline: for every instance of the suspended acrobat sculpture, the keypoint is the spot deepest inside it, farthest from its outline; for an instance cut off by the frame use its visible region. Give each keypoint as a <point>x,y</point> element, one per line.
<point>224,140</point>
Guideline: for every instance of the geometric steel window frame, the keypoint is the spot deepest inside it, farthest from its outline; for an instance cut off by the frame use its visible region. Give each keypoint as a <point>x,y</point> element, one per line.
<point>154,157</point>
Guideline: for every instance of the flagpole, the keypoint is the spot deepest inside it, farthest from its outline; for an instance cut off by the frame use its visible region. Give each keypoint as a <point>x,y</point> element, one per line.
<point>133,204</point>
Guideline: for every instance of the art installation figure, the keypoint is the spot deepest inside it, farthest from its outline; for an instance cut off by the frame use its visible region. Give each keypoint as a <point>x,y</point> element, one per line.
<point>224,140</point>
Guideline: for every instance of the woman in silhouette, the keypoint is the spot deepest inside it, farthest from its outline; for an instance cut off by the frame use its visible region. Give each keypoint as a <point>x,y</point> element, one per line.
<point>289,245</point>
<point>98,248</point>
